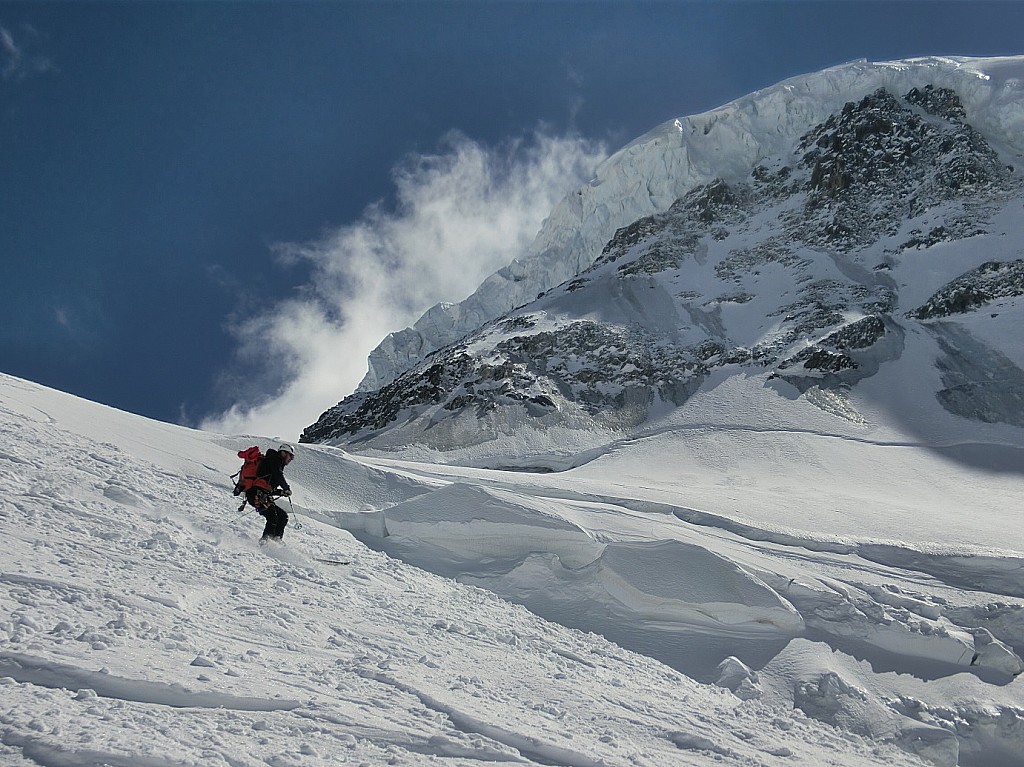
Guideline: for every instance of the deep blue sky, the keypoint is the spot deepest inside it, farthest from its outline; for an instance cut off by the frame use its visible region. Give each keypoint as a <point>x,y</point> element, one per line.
<point>152,153</point>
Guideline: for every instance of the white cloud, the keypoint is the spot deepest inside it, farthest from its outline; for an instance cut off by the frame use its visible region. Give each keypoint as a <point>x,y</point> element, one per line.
<point>14,63</point>
<point>11,54</point>
<point>460,215</point>
<point>61,315</point>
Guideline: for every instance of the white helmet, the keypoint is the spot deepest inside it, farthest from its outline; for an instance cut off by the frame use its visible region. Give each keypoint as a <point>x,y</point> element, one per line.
<point>286,448</point>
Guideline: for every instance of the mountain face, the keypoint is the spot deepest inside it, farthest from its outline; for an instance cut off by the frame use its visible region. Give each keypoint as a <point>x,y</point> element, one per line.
<point>890,229</point>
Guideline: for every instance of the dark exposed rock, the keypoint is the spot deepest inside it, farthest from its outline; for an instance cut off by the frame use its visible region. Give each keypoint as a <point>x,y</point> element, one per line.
<point>990,281</point>
<point>368,411</point>
<point>519,322</point>
<point>663,241</point>
<point>878,160</point>
<point>858,335</point>
<point>628,236</point>
<point>951,230</point>
<point>773,251</point>
<point>661,255</point>
<point>816,358</point>
<point>830,354</point>
<point>596,364</point>
<point>941,102</point>
<point>713,202</point>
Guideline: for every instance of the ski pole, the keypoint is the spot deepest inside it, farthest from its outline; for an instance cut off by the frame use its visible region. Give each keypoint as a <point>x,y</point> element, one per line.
<point>291,506</point>
<point>238,516</point>
<point>243,512</point>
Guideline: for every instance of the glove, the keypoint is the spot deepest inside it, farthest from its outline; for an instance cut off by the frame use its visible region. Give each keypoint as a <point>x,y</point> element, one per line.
<point>286,493</point>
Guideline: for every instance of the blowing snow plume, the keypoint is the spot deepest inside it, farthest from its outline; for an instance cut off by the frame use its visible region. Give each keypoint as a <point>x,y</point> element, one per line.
<point>459,215</point>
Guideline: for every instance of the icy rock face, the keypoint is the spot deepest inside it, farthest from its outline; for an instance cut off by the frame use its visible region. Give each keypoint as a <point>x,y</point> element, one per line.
<point>793,268</point>
<point>651,173</point>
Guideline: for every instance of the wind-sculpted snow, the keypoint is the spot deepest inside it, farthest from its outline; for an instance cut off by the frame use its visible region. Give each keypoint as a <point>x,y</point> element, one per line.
<point>470,524</point>
<point>650,174</point>
<point>661,583</point>
<point>673,580</point>
<point>142,626</point>
<point>746,594</point>
<point>664,582</point>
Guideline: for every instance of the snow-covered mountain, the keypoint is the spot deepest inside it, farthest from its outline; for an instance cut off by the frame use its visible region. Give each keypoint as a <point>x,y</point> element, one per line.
<point>742,486</point>
<point>650,174</point>
<point>863,223</point>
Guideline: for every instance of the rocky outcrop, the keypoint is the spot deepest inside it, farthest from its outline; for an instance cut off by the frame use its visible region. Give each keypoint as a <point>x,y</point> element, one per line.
<point>881,161</point>
<point>989,282</point>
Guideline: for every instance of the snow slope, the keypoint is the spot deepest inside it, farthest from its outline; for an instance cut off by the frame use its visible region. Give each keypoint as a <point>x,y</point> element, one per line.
<point>678,613</point>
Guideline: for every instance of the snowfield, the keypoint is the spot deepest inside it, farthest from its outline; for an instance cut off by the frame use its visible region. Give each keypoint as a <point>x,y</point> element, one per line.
<point>709,593</point>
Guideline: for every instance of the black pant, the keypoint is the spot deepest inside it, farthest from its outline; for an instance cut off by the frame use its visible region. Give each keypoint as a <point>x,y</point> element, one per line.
<point>277,518</point>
